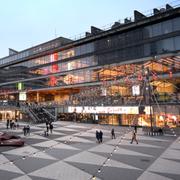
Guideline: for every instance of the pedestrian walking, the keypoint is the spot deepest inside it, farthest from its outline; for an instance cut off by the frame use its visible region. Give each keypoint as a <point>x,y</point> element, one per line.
<point>135,128</point>
<point>45,132</point>
<point>25,130</point>
<point>113,134</point>
<point>47,126</point>
<point>16,123</point>
<point>11,124</point>
<point>7,124</point>
<point>97,137</point>
<point>134,137</point>
<point>51,127</point>
<point>100,136</point>
<point>28,129</point>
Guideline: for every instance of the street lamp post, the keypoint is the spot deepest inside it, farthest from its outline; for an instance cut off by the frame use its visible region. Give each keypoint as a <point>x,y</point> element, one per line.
<point>150,102</point>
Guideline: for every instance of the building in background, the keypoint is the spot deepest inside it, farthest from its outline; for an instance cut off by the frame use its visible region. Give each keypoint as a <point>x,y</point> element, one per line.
<point>121,75</point>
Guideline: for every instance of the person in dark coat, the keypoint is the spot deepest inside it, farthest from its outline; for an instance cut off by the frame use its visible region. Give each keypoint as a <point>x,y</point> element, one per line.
<point>25,130</point>
<point>51,127</point>
<point>28,129</point>
<point>7,124</point>
<point>113,134</point>
<point>47,126</point>
<point>11,124</point>
<point>100,136</point>
<point>97,136</point>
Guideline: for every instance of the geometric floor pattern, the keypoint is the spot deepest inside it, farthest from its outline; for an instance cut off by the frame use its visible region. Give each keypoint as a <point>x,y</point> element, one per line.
<point>72,153</point>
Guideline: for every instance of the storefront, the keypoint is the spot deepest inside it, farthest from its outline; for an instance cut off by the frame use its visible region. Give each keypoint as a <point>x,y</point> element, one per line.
<point>127,115</point>
<point>9,114</point>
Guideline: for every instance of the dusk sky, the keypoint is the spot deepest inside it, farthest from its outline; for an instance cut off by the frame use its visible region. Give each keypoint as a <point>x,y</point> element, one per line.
<point>26,23</point>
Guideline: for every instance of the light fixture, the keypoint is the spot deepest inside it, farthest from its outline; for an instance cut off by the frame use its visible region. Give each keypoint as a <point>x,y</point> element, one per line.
<point>93,178</point>
<point>24,157</point>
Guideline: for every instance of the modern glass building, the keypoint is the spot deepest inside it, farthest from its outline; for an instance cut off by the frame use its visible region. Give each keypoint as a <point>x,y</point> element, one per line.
<point>129,73</point>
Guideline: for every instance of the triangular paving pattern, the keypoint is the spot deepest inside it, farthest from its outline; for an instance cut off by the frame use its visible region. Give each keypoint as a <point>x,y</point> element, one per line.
<point>102,148</point>
<point>114,173</point>
<point>82,146</point>
<point>143,150</point>
<point>31,141</point>
<point>57,133</point>
<point>72,151</point>
<point>61,171</point>
<point>31,164</point>
<point>168,175</point>
<point>7,166</point>
<point>46,143</point>
<point>74,139</point>
<point>76,126</point>
<point>86,157</point>
<point>7,175</point>
<point>153,138</point>
<point>91,158</point>
<point>43,155</point>
<point>61,154</point>
<point>65,129</point>
<point>108,149</point>
<point>173,154</point>
<point>65,146</point>
<point>139,162</point>
<point>152,176</point>
<point>164,166</point>
<point>36,136</point>
<point>89,168</point>
<point>39,178</point>
<point>23,151</point>
<point>25,177</point>
<point>124,142</point>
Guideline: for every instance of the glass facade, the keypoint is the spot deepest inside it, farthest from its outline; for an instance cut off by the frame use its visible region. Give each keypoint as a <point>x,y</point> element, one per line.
<point>66,66</point>
<point>62,55</point>
<point>106,71</point>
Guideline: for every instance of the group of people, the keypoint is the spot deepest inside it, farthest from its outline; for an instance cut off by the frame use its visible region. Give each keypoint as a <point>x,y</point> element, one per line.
<point>12,124</point>
<point>49,127</point>
<point>99,136</point>
<point>26,130</point>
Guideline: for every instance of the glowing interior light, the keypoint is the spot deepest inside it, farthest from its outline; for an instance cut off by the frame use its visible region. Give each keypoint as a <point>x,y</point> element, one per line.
<point>93,178</point>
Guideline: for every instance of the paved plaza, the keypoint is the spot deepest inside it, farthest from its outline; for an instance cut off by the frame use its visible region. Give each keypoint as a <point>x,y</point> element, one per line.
<point>72,153</point>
